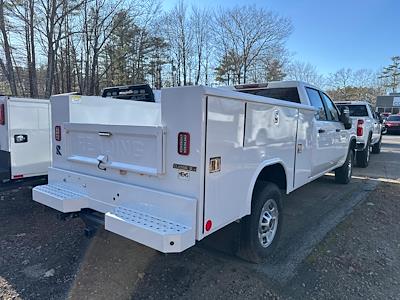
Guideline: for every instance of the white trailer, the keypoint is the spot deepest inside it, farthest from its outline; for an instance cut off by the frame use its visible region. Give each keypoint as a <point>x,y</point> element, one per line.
<point>25,136</point>
<point>167,174</point>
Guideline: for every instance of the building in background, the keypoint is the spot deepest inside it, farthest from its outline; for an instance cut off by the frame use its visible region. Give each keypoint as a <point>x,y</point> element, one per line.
<point>390,103</point>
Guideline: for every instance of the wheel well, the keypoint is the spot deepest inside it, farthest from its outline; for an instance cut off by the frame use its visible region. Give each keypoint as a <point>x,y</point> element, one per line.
<point>275,174</point>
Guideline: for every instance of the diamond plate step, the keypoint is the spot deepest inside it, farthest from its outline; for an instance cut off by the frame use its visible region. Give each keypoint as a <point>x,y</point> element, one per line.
<point>59,197</point>
<point>159,233</point>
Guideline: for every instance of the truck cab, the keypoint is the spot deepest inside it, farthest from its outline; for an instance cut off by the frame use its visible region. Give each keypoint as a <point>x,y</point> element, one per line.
<point>167,174</point>
<point>329,135</point>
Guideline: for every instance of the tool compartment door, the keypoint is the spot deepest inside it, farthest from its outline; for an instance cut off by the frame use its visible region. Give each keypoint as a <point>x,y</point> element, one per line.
<point>29,138</point>
<point>94,148</point>
<point>224,192</point>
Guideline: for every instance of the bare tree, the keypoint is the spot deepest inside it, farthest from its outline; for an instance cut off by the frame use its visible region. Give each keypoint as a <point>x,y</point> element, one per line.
<point>7,68</point>
<point>250,32</point>
<point>176,26</point>
<point>54,13</point>
<point>301,71</point>
<point>25,12</point>
<point>200,24</point>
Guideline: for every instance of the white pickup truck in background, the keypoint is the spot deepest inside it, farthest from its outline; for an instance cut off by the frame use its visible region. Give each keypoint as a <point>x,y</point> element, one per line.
<point>369,130</point>
<point>25,136</point>
<point>171,173</point>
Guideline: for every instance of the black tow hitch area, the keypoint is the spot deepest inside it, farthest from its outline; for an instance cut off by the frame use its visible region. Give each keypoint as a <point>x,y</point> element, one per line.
<point>93,221</point>
<point>66,216</point>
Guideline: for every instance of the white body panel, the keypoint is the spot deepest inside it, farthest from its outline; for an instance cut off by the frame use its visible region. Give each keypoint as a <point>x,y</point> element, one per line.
<point>126,165</point>
<point>29,118</point>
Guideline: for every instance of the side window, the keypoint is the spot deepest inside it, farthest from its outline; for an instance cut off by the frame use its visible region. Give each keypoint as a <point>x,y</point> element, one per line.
<point>333,113</point>
<point>316,102</point>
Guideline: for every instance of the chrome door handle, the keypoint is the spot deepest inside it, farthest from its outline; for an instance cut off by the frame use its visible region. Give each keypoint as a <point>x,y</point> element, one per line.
<point>102,133</point>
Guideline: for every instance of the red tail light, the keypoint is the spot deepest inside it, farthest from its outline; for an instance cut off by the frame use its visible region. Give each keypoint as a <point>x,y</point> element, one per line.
<point>183,143</point>
<point>2,115</point>
<point>57,133</point>
<point>360,129</point>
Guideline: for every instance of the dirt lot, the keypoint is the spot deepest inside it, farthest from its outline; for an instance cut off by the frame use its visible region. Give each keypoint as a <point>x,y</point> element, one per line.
<point>339,243</point>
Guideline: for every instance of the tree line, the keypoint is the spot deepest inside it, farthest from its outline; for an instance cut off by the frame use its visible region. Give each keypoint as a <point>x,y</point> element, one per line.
<point>58,46</point>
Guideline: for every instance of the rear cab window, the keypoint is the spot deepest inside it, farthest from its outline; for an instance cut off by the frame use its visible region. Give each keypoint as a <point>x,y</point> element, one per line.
<point>290,94</point>
<point>356,110</point>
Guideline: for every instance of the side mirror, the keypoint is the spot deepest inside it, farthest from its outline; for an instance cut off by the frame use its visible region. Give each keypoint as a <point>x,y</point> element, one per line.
<point>380,118</point>
<point>345,117</point>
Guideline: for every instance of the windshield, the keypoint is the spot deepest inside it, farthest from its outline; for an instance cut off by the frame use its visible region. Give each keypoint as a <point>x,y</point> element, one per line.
<point>393,118</point>
<point>356,110</point>
<point>287,94</point>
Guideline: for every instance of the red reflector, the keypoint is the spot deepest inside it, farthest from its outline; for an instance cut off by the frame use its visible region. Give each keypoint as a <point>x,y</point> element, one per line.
<point>360,129</point>
<point>18,176</point>
<point>2,115</point>
<point>57,133</point>
<point>183,143</point>
<point>208,225</point>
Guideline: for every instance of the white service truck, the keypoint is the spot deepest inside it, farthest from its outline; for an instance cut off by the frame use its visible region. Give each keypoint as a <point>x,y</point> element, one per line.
<point>169,174</point>
<point>369,130</point>
<point>25,136</point>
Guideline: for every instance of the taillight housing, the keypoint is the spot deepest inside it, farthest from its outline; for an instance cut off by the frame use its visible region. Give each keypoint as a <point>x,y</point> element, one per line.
<point>57,133</point>
<point>360,129</point>
<point>2,115</point>
<point>183,143</point>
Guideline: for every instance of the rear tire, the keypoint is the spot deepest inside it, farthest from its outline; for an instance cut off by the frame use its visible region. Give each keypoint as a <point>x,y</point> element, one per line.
<point>343,174</point>
<point>364,156</point>
<point>376,148</point>
<point>260,231</point>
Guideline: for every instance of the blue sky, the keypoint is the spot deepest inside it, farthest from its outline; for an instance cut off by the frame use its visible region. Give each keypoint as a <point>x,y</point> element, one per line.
<point>334,34</point>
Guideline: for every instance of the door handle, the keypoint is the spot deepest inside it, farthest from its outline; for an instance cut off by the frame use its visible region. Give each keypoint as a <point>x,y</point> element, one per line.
<point>321,130</point>
<point>102,133</point>
<point>20,138</point>
<point>338,130</point>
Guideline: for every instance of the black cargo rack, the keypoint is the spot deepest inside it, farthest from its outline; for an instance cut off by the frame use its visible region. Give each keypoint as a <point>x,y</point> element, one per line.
<point>137,92</point>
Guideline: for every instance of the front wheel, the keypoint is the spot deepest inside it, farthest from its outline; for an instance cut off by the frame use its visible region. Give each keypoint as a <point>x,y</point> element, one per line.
<point>343,174</point>
<point>260,231</point>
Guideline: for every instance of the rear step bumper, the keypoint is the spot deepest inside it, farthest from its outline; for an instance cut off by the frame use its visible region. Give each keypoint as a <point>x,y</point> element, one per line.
<point>60,198</point>
<point>160,234</point>
<point>162,221</point>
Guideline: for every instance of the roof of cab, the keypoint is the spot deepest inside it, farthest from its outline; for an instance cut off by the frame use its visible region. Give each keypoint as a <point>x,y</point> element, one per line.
<point>348,102</point>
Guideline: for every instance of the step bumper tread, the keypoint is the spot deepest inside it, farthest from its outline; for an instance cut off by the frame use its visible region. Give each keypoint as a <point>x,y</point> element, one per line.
<point>159,233</point>
<point>59,197</point>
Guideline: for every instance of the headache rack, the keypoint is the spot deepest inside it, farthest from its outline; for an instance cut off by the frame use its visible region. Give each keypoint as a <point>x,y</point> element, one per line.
<point>137,92</point>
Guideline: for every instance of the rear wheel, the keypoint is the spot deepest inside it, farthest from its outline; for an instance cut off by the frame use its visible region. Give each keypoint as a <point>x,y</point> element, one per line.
<point>376,148</point>
<point>260,231</point>
<point>364,156</point>
<point>343,174</point>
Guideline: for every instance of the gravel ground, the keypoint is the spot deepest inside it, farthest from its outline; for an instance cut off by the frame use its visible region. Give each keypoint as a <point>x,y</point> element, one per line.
<point>43,258</point>
<point>360,258</point>
<point>39,255</point>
